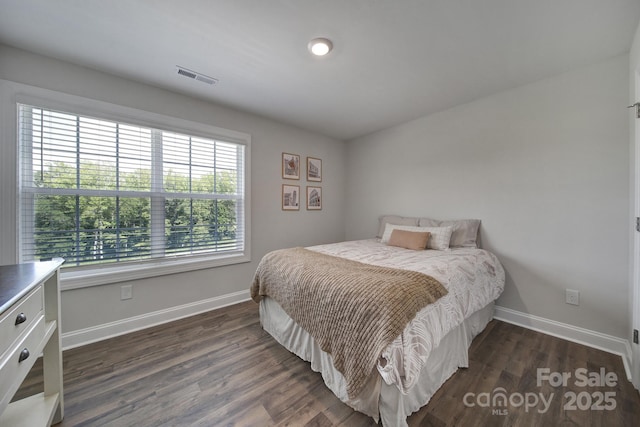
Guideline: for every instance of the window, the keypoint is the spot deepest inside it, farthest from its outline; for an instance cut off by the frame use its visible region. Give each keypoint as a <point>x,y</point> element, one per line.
<point>97,191</point>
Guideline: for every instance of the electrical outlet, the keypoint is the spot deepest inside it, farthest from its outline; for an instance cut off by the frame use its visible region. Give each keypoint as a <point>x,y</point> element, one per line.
<point>572,297</point>
<point>126,292</point>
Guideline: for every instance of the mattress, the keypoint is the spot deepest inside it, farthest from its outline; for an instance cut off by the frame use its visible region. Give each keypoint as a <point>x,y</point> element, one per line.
<point>379,400</point>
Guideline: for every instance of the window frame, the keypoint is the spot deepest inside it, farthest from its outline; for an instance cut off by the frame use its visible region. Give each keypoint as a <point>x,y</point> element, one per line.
<point>94,275</point>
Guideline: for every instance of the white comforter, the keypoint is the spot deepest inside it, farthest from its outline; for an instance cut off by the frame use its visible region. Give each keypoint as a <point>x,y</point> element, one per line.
<point>473,277</point>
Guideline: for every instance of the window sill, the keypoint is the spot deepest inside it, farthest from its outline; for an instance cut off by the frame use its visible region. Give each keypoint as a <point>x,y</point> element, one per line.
<point>122,273</point>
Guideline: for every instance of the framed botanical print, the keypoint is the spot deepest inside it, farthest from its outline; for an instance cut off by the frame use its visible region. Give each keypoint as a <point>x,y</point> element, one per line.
<point>290,166</point>
<point>314,169</point>
<point>314,198</point>
<point>290,197</point>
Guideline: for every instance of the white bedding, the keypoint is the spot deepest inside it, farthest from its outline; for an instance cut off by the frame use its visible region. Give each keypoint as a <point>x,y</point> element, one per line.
<point>473,277</point>
<point>431,347</point>
<point>379,400</point>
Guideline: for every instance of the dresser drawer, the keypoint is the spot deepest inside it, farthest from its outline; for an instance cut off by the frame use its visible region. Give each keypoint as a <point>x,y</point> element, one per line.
<point>12,369</point>
<point>19,318</point>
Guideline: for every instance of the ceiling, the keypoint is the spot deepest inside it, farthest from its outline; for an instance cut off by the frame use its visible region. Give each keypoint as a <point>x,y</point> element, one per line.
<point>393,60</point>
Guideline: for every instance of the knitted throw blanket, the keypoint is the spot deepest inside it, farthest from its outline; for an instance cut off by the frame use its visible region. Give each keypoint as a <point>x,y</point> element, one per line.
<point>351,309</point>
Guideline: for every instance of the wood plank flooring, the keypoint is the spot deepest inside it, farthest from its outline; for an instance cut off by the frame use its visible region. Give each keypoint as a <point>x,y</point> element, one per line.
<point>221,369</point>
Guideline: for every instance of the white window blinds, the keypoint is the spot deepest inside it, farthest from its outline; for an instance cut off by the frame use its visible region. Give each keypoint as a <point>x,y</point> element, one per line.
<point>100,191</point>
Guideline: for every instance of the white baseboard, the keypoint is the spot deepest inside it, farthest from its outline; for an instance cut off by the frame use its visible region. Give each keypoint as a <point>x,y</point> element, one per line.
<point>587,337</point>
<point>120,327</point>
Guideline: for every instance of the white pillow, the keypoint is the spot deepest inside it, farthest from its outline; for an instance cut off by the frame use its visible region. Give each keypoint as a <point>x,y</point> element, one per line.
<point>396,220</point>
<point>388,229</point>
<point>440,236</point>
<point>465,231</point>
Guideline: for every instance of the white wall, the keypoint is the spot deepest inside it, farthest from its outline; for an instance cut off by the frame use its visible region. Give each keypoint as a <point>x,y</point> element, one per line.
<point>544,166</point>
<point>271,227</point>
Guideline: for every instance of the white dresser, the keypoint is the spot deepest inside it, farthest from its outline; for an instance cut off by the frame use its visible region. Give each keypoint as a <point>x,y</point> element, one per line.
<point>30,326</point>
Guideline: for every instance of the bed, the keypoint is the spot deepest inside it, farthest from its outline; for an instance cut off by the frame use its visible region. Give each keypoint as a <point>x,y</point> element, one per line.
<point>431,346</point>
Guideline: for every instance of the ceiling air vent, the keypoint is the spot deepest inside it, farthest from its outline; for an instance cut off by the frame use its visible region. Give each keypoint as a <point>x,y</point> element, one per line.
<point>196,76</point>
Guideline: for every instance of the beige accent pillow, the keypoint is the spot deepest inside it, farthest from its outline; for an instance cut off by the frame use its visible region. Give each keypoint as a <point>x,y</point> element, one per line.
<point>414,240</point>
<point>440,236</point>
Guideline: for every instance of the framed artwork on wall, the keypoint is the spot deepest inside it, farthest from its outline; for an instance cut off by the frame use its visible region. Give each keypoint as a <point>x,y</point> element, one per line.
<point>290,197</point>
<point>314,198</point>
<point>314,169</point>
<point>290,166</point>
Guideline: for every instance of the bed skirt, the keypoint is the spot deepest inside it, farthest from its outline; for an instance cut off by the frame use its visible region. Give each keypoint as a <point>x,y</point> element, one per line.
<point>379,400</point>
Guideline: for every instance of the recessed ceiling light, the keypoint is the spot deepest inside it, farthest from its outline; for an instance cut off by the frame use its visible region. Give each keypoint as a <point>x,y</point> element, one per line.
<point>320,46</point>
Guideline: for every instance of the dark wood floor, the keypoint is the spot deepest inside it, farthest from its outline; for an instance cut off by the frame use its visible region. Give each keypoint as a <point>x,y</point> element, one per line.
<point>222,369</point>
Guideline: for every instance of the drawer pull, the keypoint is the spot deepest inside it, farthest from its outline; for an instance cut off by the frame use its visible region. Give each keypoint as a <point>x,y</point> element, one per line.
<point>24,355</point>
<point>21,319</point>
